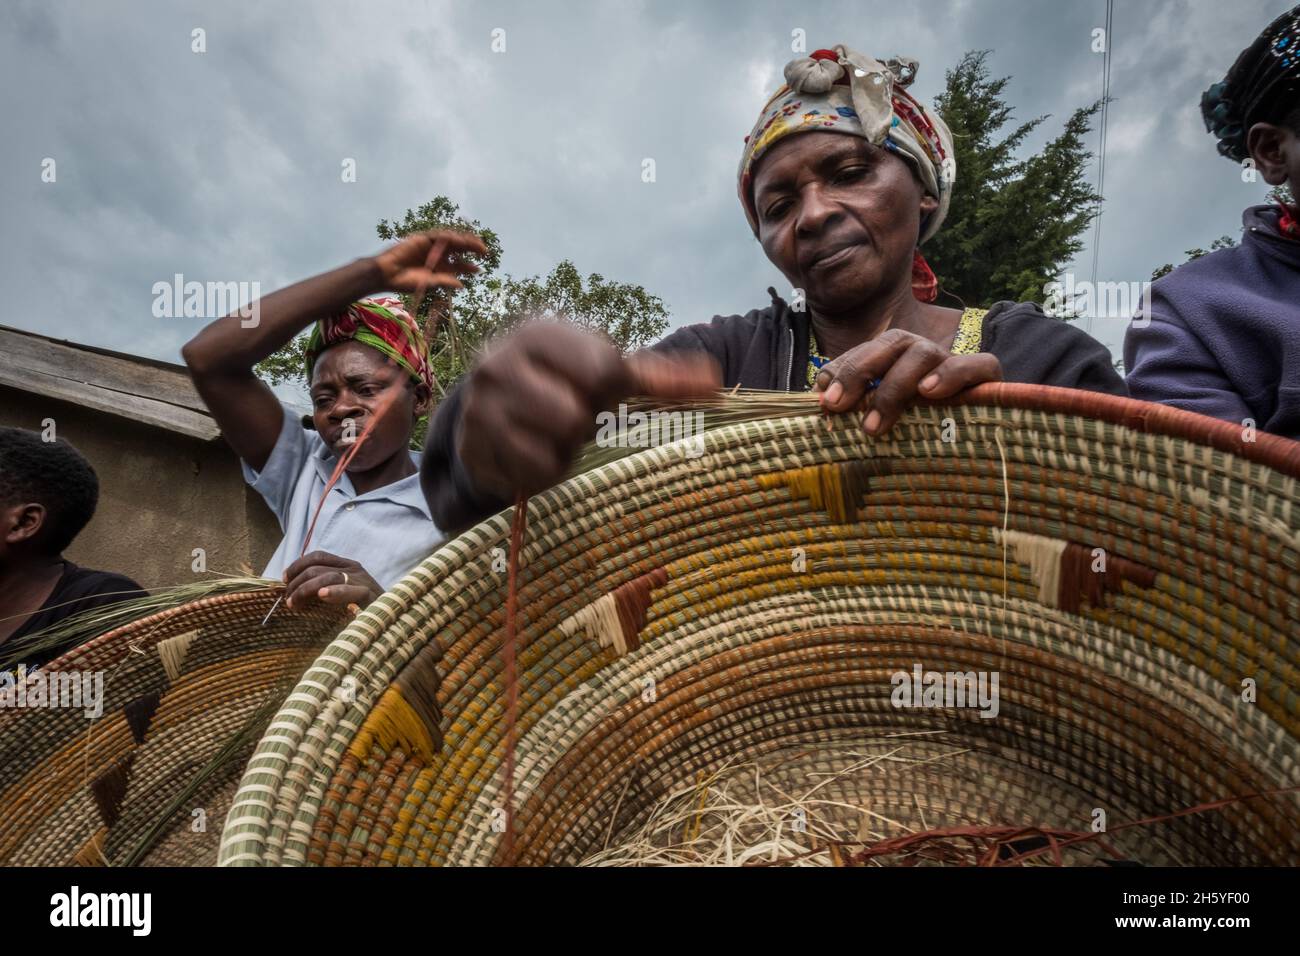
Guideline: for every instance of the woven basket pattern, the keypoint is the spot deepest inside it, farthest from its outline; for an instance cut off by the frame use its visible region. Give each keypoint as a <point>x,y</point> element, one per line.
<point>677,613</point>
<point>178,685</point>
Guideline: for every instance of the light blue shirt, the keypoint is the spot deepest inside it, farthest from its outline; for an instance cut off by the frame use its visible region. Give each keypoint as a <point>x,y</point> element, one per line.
<point>388,531</point>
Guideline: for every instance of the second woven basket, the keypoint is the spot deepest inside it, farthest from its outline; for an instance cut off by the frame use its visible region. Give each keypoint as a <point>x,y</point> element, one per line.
<point>145,777</point>
<point>1113,584</point>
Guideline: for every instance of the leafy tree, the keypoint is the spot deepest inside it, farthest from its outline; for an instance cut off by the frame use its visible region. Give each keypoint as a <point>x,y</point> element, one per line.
<point>1278,194</point>
<point>1223,242</point>
<point>1013,223</point>
<point>492,303</point>
<point>286,364</point>
<point>625,313</point>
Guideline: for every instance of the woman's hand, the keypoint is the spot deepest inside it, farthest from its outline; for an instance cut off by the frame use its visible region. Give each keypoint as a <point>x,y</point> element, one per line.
<point>907,367</point>
<point>427,260</point>
<point>532,401</point>
<point>329,579</point>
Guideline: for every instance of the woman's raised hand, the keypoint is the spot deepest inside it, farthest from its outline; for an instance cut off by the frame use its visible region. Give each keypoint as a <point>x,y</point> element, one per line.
<point>438,258</point>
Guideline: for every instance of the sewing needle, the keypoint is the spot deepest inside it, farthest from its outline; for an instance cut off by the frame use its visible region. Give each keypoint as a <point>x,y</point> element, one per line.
<point>273,607</point>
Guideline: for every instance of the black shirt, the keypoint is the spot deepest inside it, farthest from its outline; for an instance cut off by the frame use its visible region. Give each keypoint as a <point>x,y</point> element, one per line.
<point>78,589</point>
<point>768,348</point>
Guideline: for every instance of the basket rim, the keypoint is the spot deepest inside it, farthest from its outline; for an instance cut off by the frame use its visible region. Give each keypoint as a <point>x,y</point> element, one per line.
<point>1278,452</point>
<point>105,642</point>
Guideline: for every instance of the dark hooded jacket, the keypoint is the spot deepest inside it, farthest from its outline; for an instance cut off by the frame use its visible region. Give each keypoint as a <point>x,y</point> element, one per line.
<point>1223,334</point>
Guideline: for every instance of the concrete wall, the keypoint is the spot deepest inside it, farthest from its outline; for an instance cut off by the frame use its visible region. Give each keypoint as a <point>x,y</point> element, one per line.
<point>161,495</point>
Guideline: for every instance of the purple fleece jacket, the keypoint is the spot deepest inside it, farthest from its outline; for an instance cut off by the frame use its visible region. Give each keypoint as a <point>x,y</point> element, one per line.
<point>1224,335</point>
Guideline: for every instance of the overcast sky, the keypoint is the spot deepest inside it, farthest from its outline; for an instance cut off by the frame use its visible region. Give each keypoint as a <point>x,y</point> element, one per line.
<point>226,165</point>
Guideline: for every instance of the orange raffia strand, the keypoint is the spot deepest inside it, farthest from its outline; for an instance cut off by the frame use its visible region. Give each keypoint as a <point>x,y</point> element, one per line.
<point>510,652</point>
<point>1086,837</point>
<point>992,838</point>
<point>431,260</point>
<point>344,460</point>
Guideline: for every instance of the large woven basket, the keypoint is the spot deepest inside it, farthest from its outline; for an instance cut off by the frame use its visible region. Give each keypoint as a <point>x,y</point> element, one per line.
<point>678,614</point>
<point>186,694</point>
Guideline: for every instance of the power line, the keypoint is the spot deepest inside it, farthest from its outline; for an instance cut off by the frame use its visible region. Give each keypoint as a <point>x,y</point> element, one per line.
<point>1101,152</point>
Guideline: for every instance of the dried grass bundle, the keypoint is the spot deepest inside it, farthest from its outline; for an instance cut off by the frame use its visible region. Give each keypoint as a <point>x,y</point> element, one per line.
<point>800,807</point>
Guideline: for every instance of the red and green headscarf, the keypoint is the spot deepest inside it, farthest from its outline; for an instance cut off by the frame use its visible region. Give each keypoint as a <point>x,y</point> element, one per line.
<point>382,323</point>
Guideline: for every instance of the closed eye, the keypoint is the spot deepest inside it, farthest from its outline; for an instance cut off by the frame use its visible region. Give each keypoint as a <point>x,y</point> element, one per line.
<point>850,174</point>
<point>777,209</point>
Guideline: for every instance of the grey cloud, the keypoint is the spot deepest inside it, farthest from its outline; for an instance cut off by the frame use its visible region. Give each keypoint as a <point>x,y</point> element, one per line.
<point>225,165</point>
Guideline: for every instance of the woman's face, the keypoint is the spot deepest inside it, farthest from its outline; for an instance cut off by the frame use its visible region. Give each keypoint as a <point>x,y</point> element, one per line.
<point>839,217</point>
<point>350,384</point>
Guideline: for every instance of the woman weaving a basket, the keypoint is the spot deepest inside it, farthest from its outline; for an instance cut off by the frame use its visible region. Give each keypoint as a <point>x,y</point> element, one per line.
<point>368,370</point>
<point>841,216</point>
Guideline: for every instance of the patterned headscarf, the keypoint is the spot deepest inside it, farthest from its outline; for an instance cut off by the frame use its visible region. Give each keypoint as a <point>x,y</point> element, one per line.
<point>382,323</point>
<point>843,91</point>
<point>1262,86</point>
